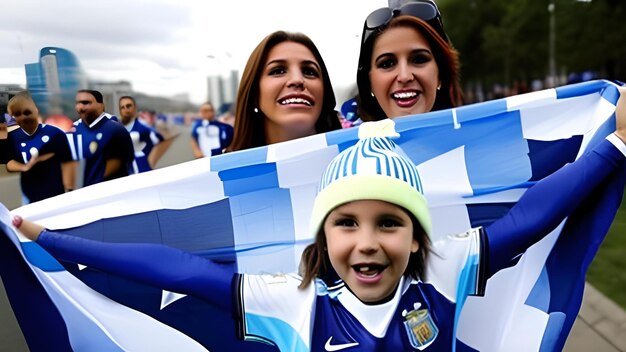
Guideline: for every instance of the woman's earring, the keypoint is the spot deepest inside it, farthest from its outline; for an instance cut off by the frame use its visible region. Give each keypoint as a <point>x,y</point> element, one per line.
<point>256,110</point>
<point>372,93</point>
<point>439,86</point>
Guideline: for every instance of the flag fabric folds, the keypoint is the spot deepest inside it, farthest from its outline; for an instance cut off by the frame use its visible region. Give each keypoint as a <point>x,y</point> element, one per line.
<point>251,209</point>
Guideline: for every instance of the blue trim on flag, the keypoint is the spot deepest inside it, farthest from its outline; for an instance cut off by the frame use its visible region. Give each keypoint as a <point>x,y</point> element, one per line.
<point>553,330</point>
<point>84,333</point>
<point>548,156</point>
<point>496,152</point>
<point>348,135</point>
<point>539,296</point>
<point>249,179</point>
<point>479,111</point>
<point>611,94</point>
<point>483,214</point>
<point>429,119</point>
<point>38,257</point>
<point>241,158</point>
<point>603,131</point>
<point>187,229</point>
<point>29,300</point>
<point>580,89</point>
<point>264,216</point>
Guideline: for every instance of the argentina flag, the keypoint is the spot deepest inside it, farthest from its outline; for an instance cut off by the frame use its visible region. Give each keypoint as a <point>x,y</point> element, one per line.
<point>251,210</point>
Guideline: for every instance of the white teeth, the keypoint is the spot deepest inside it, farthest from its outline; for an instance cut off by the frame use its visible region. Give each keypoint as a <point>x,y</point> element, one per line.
<point>404,95</point>
<point>295,101</point>
<point>369,271</point>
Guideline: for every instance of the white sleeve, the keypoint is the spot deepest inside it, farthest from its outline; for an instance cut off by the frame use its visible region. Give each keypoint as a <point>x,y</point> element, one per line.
<point>456,264</point>
<point>617,143</point>
<point>273,308</point>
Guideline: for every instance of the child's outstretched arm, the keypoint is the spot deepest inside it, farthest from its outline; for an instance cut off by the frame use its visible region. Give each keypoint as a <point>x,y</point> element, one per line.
<point>555,197</point>
<point>153,264</point>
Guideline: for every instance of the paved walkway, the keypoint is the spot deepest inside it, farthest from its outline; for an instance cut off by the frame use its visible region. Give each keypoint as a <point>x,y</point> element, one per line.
<point>600,326</point>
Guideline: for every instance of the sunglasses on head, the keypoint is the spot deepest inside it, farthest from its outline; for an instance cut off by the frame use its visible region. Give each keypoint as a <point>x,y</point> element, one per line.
<point>424,9</point>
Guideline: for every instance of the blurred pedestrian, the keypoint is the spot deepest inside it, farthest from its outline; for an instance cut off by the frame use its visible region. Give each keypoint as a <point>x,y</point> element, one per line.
<point>149,144</point>
<point>38,151</point>
<point>209,136</point>
<point>102,147</point>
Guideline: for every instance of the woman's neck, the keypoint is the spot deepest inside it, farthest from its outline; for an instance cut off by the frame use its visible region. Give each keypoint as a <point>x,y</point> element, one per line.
<point>276,134</point>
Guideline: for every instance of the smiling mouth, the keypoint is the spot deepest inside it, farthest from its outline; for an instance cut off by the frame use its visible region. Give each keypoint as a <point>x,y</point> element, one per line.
<point>404,95</point>
<point>290,101</point>
<point>369,270</point>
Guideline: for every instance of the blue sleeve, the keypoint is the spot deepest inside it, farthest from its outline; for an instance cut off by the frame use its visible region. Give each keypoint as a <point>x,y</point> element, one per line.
<point>153,264</point>
<point>120,146</point>
<point>228,132</point>
<point>546,204</point>
<point>60,146</point>
<point>194,130</point>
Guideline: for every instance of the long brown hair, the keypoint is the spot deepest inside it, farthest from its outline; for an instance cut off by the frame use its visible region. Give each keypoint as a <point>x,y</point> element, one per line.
<point>446,57</point>
<point>249,124</point>
<point>315,262</point>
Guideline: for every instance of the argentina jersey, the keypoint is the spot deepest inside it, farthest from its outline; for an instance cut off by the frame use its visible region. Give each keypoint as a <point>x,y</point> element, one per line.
<point>212,136</point>
<point>94,145</point>
<point>144,139</point>
<point>420,316</point>
<point>44,179</point>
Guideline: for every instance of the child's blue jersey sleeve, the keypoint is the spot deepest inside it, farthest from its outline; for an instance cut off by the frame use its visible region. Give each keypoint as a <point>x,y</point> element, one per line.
<point>153,264</point>
<point>545,205</point>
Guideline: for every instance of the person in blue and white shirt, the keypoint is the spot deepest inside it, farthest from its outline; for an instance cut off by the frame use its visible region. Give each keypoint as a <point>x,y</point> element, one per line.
<point>371,280</point>
<point>38,151</point>
<point>146,140</point>
<point>209,136</point>
<point>101,146</point>
<point>4,146</point>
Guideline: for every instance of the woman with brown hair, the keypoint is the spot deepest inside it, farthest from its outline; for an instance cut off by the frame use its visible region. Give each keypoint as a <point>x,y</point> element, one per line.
<point>407,64</point>
<point>285,93</point>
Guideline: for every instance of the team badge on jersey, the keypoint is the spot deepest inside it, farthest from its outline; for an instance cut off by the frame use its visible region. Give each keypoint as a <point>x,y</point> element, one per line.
<point>93,146</point>
<point>420,327</point>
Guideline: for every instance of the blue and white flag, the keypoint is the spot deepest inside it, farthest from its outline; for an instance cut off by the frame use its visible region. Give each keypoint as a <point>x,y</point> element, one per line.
<point>251,209</point>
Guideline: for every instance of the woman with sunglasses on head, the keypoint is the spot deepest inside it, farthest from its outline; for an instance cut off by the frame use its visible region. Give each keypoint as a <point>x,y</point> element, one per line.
<point>407,64</point>
<point>284,93</point>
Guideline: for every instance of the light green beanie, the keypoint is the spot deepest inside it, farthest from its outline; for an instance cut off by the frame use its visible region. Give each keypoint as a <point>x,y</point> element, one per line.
<point>375,168</point>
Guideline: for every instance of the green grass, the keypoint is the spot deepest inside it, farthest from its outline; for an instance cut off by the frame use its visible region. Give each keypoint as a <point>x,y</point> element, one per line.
<point>607,272</point>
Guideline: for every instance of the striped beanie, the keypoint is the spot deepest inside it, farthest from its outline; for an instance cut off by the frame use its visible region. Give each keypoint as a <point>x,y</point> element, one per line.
<point>375,168</point>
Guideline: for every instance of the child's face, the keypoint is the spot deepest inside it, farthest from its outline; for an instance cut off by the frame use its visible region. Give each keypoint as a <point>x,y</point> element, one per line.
<point>369,243</point>
<point>25,114</point>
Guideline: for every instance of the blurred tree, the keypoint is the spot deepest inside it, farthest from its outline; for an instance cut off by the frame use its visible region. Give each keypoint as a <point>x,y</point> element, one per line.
<point>502,41</point>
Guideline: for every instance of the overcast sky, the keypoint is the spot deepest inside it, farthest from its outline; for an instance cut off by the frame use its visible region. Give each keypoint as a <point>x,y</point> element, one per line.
<point>167,47</point>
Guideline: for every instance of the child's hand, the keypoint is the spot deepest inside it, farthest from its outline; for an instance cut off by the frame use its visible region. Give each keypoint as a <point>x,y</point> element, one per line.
<point>28,228</point>
<point>620,115</point>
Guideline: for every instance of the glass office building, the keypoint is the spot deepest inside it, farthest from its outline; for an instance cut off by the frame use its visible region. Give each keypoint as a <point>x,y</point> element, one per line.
<point>54,80</point>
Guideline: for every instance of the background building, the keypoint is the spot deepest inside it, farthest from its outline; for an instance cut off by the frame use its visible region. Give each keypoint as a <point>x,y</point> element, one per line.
<point>54,80</point>
<point>7,91</point>
<point>223,90</point>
